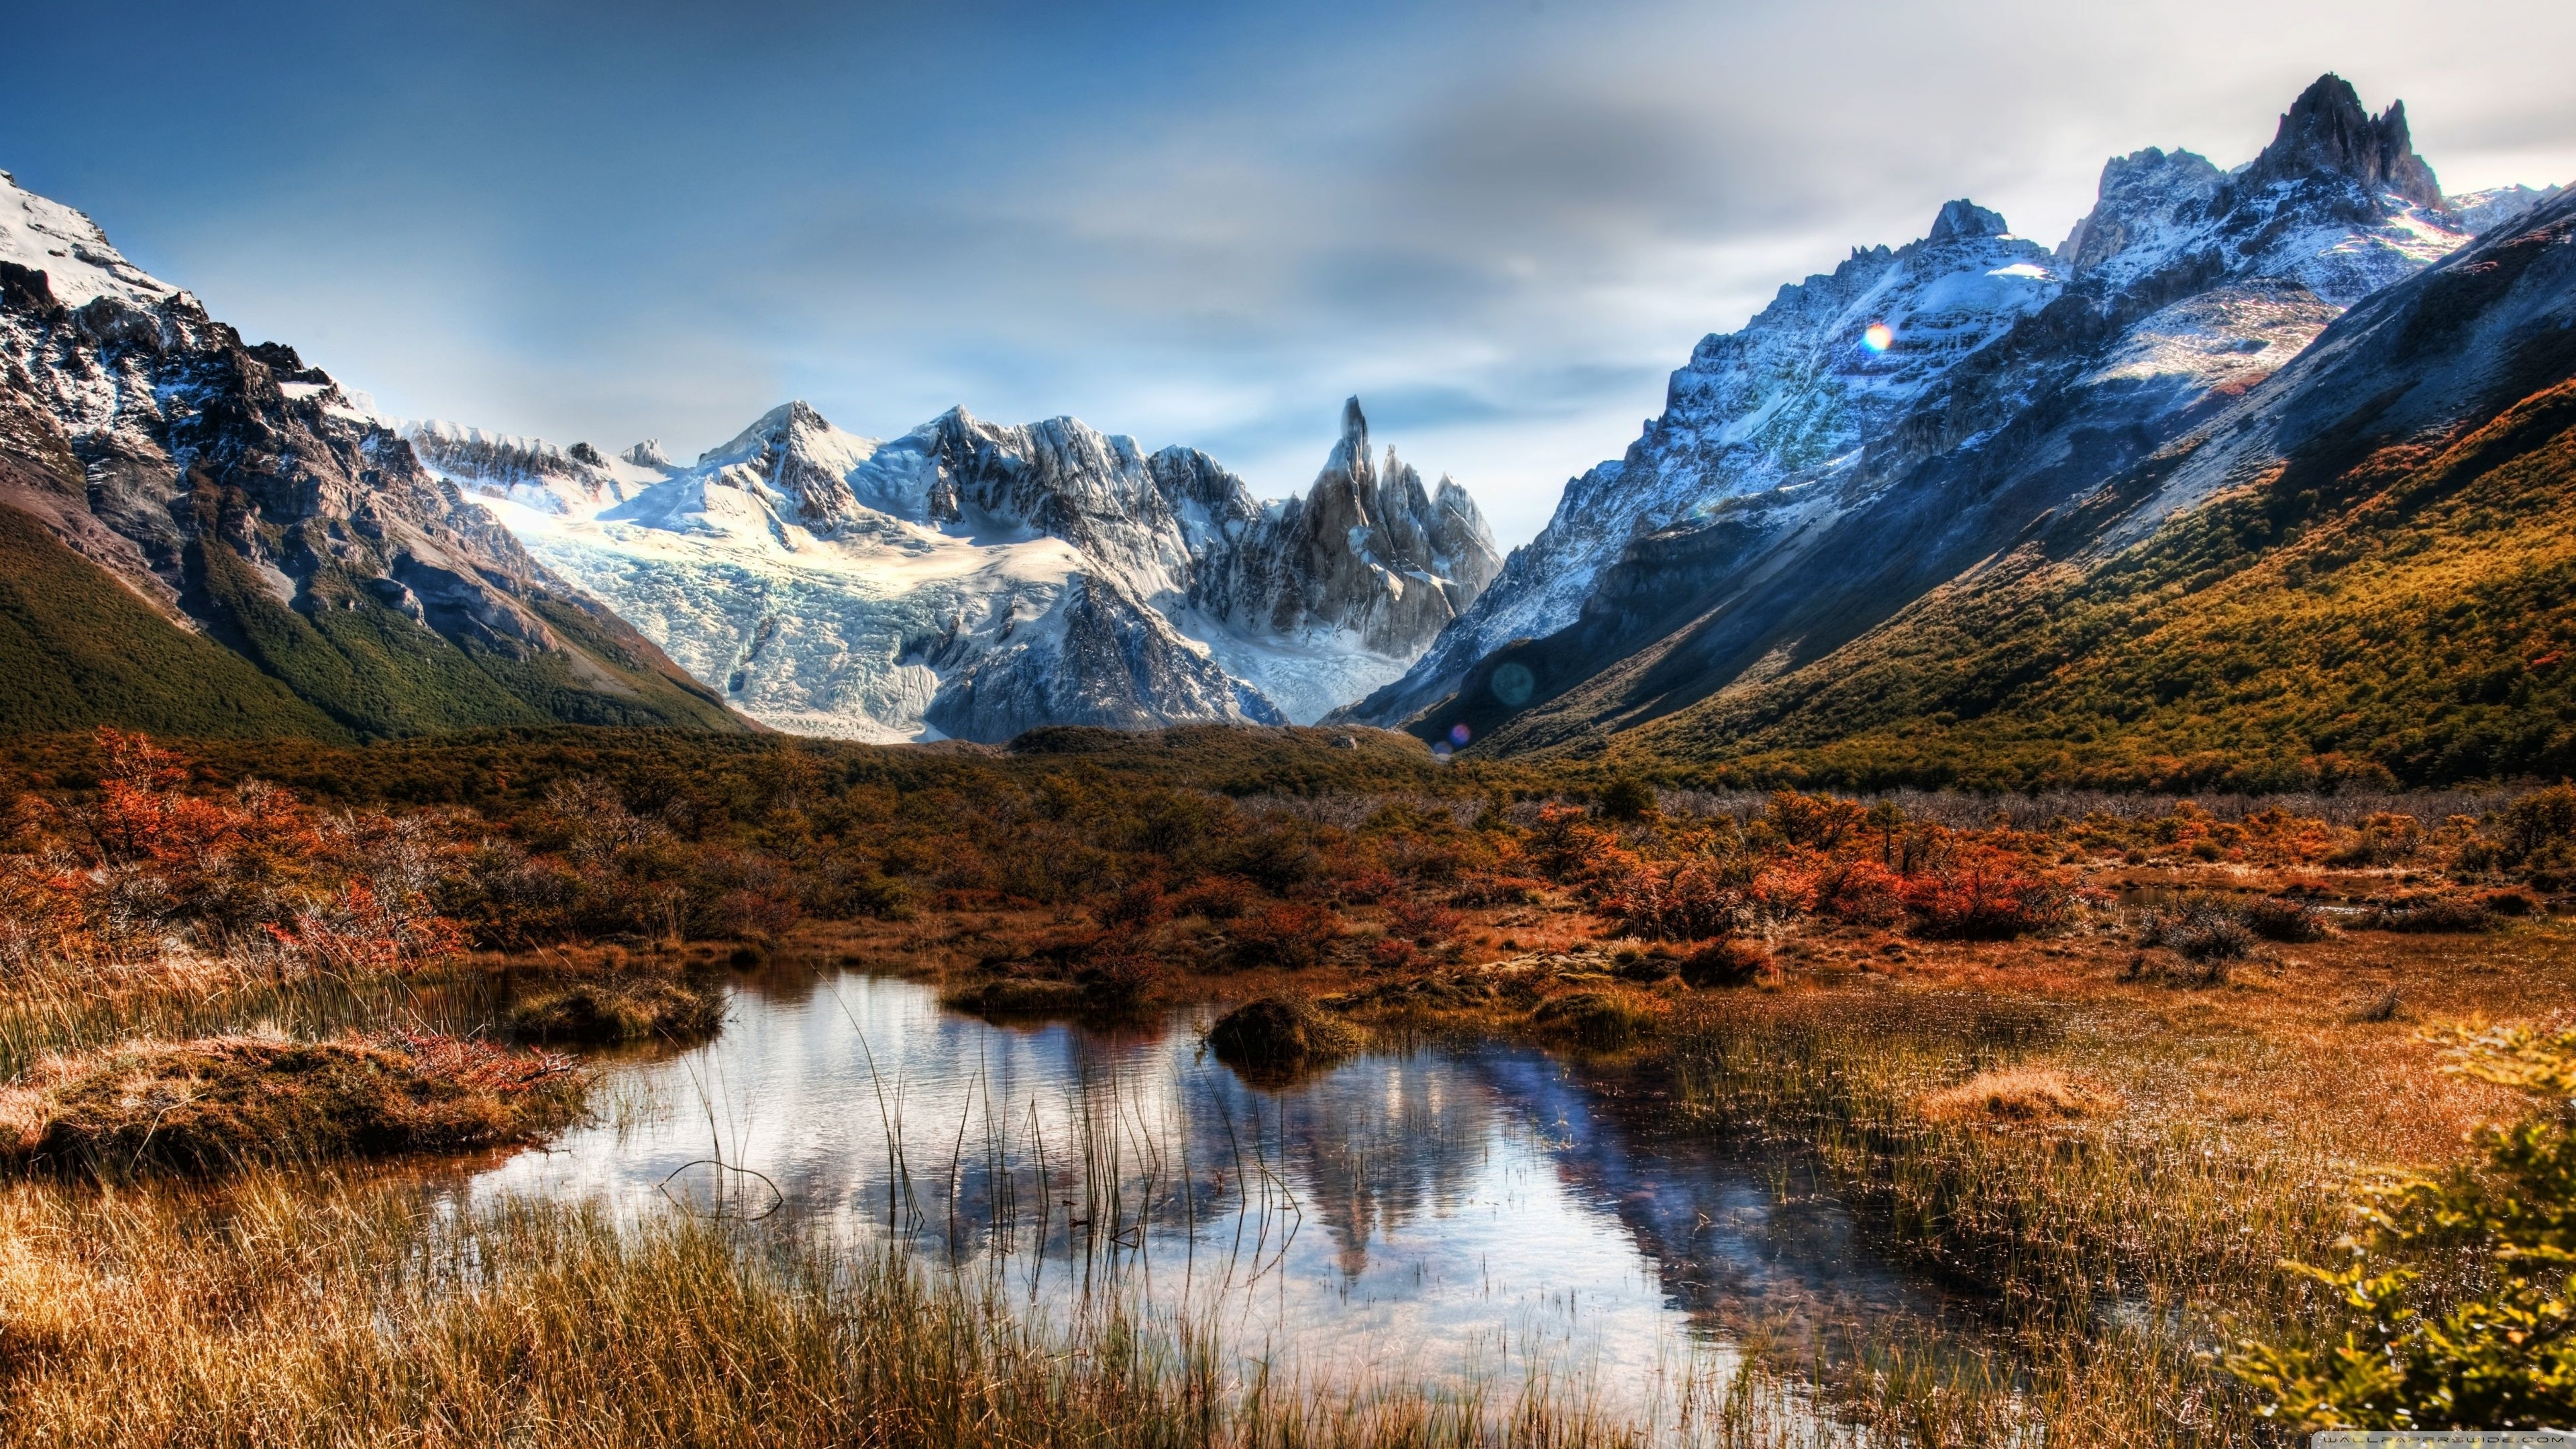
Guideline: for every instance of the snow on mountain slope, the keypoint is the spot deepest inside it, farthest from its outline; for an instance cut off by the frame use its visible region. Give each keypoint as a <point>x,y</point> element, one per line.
<point>976,580</point>
<point>46,236</point>
<point>251,500</point>
<point>1787,401</point>
<point>2183,285</point>
<point>2484,211</point>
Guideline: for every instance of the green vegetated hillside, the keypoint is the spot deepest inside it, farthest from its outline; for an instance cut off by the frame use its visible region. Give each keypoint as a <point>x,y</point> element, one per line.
<point>79,649</point>
<point>376,672</point>
<point>2407,614</point>
<point>650,768</point>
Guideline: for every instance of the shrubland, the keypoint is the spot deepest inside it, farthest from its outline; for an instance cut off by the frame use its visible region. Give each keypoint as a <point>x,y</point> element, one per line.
<point>2055,1046</point>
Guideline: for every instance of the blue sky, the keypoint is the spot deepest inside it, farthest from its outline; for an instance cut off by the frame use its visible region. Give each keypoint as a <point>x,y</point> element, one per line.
<point>1502,224</point>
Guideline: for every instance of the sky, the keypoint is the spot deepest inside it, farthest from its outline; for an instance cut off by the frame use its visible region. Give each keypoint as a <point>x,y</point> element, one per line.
<point>1501,224</point>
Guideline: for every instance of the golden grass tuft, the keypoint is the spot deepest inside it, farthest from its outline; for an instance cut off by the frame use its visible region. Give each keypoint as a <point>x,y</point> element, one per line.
<point>2009,1094</point>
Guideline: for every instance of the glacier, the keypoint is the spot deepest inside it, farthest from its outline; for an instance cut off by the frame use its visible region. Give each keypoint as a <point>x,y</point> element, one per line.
<point>973,580</point>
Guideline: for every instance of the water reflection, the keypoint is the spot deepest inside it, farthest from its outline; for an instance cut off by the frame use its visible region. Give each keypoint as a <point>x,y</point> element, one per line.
<point>1460,1205</point>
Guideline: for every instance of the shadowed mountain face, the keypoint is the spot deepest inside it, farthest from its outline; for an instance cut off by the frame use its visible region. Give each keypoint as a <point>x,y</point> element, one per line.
<point>241,499</point>
<point>2363,569</point>
<point>1875,434</point>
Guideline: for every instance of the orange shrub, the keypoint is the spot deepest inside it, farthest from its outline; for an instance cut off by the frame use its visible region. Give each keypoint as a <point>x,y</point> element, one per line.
<point>1421,922</point>
<point>1729,961</point>
<point>1863,892</point>
<point>1983,894</point>
<point>1141,903</point>
<point>1685,902</point>
<point>1292,934</point>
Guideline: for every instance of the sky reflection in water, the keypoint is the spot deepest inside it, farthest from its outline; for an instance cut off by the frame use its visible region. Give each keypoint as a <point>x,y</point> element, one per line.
<point>1403,1214</point>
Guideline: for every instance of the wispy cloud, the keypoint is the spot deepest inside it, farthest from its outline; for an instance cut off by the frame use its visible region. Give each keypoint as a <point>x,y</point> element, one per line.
<point>1502,225</point>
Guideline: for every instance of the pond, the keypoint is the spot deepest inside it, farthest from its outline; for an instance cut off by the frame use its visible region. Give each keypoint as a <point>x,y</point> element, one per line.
<point>1449,1208</point>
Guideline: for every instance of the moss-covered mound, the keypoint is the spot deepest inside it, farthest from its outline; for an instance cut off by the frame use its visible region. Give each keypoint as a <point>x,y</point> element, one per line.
<point>1601,1020</point>
<point>1277,1036</point>
<point>603,1012</point>
<point>208,1106</point>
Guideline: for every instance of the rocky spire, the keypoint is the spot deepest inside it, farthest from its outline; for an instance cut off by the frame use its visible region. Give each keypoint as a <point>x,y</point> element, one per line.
<point>2326,129</point>
<point>1964,218</point>
<point>1351,455</point>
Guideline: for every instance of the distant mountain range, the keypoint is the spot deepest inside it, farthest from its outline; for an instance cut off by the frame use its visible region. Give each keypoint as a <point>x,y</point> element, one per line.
<point>207,537</point>
<point>213,537</point>
<point>2258,476</point>
<point>975,581</point>
<point>1878,443</point>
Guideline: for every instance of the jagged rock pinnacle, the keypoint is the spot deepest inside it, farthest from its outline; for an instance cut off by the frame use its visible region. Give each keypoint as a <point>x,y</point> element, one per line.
<point>2327,129</point>
<point>1964,218</point>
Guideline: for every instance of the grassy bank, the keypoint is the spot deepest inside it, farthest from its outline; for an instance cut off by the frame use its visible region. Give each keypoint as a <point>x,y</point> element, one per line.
<point>279,1315</point>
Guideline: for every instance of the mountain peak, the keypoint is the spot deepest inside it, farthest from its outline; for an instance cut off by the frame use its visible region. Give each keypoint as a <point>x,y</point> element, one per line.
<point>2328,129</point>
<point>1964,218</point>
<point>649,454</point>
<point>1351,454</point>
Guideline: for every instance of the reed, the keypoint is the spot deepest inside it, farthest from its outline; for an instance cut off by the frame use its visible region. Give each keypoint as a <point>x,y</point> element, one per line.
<point>286,1311</point>
<point>2120,1251</point>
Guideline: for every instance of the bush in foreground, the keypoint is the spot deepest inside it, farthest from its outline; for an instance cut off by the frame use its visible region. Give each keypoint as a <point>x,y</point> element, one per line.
<point>1276,1036</point>
<point>1600,1020</point>
<point>2503,1359</point>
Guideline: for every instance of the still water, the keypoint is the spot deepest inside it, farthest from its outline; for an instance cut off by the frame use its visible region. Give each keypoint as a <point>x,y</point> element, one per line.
<point>1479,1208</point>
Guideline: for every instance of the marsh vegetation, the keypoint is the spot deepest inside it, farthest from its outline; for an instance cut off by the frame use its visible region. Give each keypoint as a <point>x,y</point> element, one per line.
<point>2068,1079</point>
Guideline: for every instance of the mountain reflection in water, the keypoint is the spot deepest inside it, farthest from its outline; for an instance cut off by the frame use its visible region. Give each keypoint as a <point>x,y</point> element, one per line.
<point>1478,1206</point>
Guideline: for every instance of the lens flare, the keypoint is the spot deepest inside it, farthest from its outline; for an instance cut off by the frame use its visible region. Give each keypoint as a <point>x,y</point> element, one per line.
<point>1458,735</point>
<point>1879,337</point>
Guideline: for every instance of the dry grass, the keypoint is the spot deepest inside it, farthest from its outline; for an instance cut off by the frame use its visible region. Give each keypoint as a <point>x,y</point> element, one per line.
<point>282,1313</point>
<point>217,1104</point>
<point>609,1011</point>
<point>2008,1094</point>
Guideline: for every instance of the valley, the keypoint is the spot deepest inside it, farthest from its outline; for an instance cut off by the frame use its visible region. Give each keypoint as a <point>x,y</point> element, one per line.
<point>2004,875</point>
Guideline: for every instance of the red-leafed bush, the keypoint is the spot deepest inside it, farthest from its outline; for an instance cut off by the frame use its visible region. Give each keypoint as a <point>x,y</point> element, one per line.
<point>1485,888</point>
<point>1983,894</point>
<point>1422,923</point>
<point>1368,887</point>
<point>1393,953</point>
<point>1218,898</point>
<point>1292,934</point>
<point>1566,846</point>
<point>1783,892</point>
<point>1685,902</point>
<point>1728,961</point>
<point>1862,892</point>
<point>1139,904</point>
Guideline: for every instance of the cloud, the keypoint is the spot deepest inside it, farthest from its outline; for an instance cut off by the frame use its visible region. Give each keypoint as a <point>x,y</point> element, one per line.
<point>1199,223</point>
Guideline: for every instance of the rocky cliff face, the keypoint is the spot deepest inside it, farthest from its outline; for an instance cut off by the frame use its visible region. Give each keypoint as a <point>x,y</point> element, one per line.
<point>975,580</point>
<point>1874,432</point>
<point>247,497</point>
<point>1781,408</point>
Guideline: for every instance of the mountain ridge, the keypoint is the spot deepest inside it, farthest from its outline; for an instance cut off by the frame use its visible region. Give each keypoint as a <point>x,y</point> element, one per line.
<point>2182,289</point>
<point>973,580</point>
<point>246,500</point>
<point>2361,571</point>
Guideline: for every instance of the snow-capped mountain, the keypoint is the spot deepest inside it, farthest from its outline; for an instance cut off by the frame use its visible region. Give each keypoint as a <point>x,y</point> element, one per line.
<point>247,499</point>
<point>973,580</point>
<point>1875,430</point>
<point>1779,407</point>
